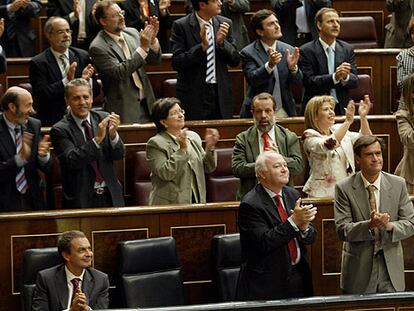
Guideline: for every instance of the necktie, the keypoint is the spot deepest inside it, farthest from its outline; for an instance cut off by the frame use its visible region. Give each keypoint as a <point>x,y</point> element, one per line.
<point>267,145</point>
<point>331,68</point>
<point>373,207</point>
<point>135,76</point>
<point>89,135</point>
<point>277,95</point>
<point>75,283</point>
<point>283,217</point>
<point>65,64</point>
<point>211,57</point>
<point>21,181</point>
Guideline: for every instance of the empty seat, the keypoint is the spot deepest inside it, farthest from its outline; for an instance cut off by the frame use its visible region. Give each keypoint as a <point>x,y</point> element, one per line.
<point>359,31</point>
<point>142,182</point>
<point>150,273</point>
<point>35,260</point>
<point>226,252</point>
<point>221,185</point>
<point>364,87</point>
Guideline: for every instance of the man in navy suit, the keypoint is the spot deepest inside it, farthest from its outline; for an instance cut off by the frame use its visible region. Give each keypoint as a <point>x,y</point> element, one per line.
<point>204,96</point>
<point>74,285</point>
<point>314,62</point>
<point>260,60</point>
<point>274,229</point>
<point>48,73</point>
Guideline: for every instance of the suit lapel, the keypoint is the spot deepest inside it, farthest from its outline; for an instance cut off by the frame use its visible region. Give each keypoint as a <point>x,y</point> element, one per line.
<point>6,140</point>
<point>73,58</point>
<point>54,66</point>
<point>113,45</point>
<point>76,131</point>
<point>360,196</point>
<point>280,144</point>
<point>322,60</point>
<point>268,203</point>
<point>131,42</point>
<point>62,287</point>
<point>87,284</point>
<point>385,194</point>
<point>339,54</point>
<point>260,51</point>
<point>254,143</point>
<point>195,27</point>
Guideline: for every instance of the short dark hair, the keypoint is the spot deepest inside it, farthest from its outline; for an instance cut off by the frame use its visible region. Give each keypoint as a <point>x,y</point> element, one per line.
<point>196,4</point>
<point>257,19</point>
<point>77,82</point>
<point>161,110</point>
<point>365,141</point>
<point>101,8</point>
<point>9,97</point>
<point>64,242</point>
<point>263,96</point>
<point>320,13</point>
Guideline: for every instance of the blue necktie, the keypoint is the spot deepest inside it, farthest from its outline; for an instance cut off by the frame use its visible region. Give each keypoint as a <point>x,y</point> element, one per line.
<point>331,68</point>
<point>210,73</point>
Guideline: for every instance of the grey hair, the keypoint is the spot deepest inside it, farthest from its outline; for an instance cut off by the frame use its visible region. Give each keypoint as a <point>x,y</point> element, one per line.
<point>260,164</point>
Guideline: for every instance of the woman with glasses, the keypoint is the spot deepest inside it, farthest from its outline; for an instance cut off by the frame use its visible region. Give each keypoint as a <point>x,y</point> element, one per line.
<point>176,157</point>
<point>405,122</point>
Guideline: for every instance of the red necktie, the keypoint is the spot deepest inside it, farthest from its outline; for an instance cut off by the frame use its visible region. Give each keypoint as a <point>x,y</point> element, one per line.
<point>89,135</point>
<point>267,145</point>
<point>283,216</point>
<point>75,283</point>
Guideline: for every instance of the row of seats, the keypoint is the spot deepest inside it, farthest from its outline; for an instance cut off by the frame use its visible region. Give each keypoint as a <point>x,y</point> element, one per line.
<point>149,270</point>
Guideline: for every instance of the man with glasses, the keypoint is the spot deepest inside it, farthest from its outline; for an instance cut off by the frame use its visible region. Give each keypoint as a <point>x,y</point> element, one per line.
<point>120,54</point>
<point>50,70</point>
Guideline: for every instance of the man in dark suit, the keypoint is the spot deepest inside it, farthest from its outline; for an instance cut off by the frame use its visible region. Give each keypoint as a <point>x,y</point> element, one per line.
<point>86,143</point>
<point>20,184</point>
<point>49,73</point>
<point>80,15</point>
<point>297,18</point>
<point>3,59</point>
<point>20,38</point>
<point>328,64</point>
<point>203,47</point>
<point>120,54</point>
<point>274,229</point>
<point>137,12</point>
<point>262,58</point>
<point>74,285</point>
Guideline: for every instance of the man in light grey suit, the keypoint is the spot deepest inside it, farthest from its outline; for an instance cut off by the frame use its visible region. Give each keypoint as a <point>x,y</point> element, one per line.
<point>373,213</point>
<point>74,285</point>
<point>119,54</point>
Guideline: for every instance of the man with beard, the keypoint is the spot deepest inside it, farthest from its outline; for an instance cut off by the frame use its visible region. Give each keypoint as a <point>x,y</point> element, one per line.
<point>120,54</point>
<point>328,65</point>
<point>264,135</point>
<point>22,153</point>
<point>50,70</point>
<point>73,285</point>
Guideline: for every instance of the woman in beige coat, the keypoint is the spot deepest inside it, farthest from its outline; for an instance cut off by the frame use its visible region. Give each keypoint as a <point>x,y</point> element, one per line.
<point>176,157</point>
<point>405,122</point>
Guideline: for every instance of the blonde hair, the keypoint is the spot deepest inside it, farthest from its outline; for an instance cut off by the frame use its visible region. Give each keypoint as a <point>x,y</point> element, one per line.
<point>312,108</point>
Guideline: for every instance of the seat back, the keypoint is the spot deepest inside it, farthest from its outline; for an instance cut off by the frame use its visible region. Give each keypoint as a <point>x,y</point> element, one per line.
<point>221,185</point>
<point>359,31</point>
<point>142,181</point>
<point>226,252</point>
<point>35,260</point>
<point>168,88</point>
<point>150,273</point>
<point>364,87</point>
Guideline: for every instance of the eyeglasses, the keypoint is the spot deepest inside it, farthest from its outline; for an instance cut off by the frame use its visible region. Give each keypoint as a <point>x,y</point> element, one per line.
<point>63,31</point>
<point>177,112</point>
<point>117,13</point>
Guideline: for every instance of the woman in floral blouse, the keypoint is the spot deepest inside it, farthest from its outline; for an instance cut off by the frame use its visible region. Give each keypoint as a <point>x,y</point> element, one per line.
<point>329,146</point>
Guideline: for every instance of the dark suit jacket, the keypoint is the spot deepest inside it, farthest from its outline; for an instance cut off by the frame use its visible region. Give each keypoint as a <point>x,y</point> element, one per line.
<point>51,292</point>
<point>75,156</point>
<point>9,169</point>
<point>317,80</point>
<point>264,244</point>
<point>254,58</point>
<point>25,34</point>
<point>64,7</point>
<point>48,89</point>
<point>116,74</point>
<point>3,61</point>
<point>286,13</point>
<point>133,19</point>
<point>190,61</point>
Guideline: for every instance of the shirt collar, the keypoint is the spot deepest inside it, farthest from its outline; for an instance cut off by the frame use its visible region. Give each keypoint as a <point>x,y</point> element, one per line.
<point>266,47</point>
<point>115,37</point>
<point>79,121</point>
<point>203,22</point>
<point>70,276</point>
<point>325,45</point>
<point>376,183</point>
<point>57,54</point>
<point>271,193</point>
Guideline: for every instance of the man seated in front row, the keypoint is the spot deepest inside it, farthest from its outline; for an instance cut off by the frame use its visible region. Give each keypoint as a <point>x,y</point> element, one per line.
<point>274,229</point>
<point>73,285</point>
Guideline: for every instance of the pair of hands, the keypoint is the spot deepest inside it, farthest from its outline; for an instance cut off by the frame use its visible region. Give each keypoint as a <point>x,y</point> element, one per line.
<point>42,149</point>
<point>292,58</point>
<point>148,36</point>
<point>18,4</point>
<point>79,302</point>
<point>363,109</point>
<point>110,123</point>
<point>221,34</point>
<point>342,71</point>
<point>302,216</point>
<point>212,136</point>
<point>87,72</point>
<point>380,221</point>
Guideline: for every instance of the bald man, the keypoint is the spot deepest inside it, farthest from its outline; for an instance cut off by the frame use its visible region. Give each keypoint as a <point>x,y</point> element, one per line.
<point>22,153</point>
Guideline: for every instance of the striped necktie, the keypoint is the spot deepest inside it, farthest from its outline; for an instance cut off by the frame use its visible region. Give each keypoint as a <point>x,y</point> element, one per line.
<point>211,57</point>
<point>21,181</point>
